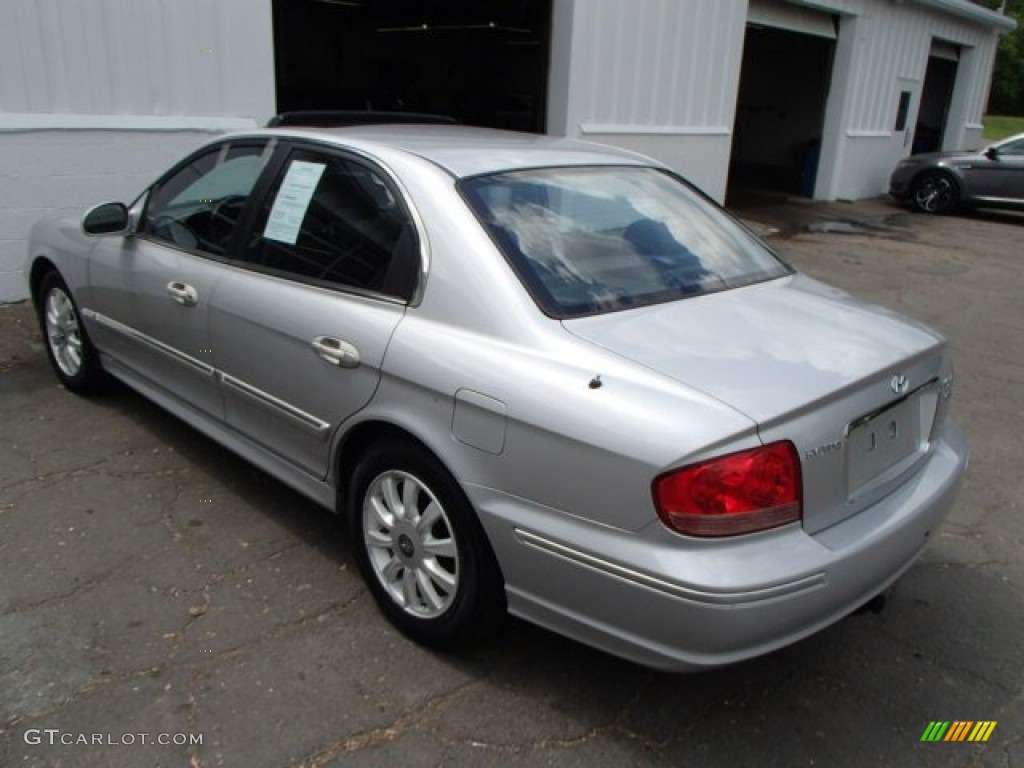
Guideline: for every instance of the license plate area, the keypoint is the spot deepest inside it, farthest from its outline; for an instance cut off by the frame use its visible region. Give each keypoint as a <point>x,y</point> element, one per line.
<point>883,445</point>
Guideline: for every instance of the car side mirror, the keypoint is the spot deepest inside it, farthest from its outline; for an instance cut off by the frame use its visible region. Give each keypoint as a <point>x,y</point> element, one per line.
<point>107,219</point>
<point>992,153</point>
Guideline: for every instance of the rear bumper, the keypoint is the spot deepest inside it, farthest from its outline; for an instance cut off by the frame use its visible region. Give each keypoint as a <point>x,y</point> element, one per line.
<point>681,604</point>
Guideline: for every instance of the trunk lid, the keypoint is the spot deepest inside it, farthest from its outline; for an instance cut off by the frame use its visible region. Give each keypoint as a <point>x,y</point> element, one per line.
<point>854,386</point>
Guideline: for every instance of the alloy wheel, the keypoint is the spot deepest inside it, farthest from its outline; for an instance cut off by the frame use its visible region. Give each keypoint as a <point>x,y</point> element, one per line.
<point>935,193</point>
<point>63,333</point>
<point>410,544</point>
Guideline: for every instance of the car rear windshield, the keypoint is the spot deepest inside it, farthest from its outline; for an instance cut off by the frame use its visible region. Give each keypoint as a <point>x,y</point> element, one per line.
<point>589,240</point>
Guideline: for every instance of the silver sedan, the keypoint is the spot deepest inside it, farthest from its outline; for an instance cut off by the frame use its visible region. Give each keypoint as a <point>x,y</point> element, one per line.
<point>535,375</point>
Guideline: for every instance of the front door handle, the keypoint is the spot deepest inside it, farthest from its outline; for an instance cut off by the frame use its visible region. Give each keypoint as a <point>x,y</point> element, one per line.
<point>336,352</point>
<point>183,293</point>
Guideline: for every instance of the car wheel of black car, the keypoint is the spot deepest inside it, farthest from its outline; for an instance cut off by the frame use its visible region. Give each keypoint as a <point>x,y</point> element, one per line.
<point>420,547</point>
<point>935,192</point>
<point>71,353</point>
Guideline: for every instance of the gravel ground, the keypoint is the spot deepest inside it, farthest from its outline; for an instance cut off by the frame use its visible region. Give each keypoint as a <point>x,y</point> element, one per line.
<point>19,335</point>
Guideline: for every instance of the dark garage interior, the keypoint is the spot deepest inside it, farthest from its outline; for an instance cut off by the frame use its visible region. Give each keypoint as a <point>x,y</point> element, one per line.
<point>482,63</point>
<point>780,112</point>
<point>936,96</point>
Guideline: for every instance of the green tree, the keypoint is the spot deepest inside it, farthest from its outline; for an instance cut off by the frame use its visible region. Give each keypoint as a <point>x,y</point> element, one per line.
<point>1007,97</point>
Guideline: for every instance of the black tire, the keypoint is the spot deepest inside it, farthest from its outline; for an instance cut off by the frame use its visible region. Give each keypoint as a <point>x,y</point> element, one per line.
<point>71,354</point>
<point>430,568</point>
<point>935,192</point>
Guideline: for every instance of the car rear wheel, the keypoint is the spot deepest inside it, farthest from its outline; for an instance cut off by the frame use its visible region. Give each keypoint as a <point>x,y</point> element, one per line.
<point>71,353</point>
<point>420,547</point>
<point>935,192</point>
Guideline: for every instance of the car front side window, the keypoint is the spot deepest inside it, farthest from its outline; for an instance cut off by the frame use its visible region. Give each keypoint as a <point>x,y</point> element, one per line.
<point>335,221</point>
<point>1013,148</point>
<point>198,206</point>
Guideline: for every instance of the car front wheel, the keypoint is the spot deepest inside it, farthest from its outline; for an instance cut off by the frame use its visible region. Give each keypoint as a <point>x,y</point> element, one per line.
<point>420,547</point>
<point>74,359</point>
<point>935,192</point>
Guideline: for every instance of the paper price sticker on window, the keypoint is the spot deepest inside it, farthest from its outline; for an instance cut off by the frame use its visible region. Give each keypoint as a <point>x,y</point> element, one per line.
<point>292,201</point>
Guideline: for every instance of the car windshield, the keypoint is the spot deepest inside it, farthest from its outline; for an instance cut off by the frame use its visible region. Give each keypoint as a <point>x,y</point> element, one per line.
<point>589,240</point>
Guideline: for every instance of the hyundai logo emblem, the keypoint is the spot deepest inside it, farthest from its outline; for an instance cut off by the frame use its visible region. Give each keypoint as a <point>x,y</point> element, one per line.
<point>899,384</point>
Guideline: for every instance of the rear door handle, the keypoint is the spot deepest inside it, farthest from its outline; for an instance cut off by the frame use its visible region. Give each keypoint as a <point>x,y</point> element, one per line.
<point>183,293</point>
<point>336,352</point>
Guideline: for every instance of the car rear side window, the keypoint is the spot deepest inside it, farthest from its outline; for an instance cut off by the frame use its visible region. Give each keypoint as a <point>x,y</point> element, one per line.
<point>199,205</point>
<point>335,221</point>
<point>587,240</point>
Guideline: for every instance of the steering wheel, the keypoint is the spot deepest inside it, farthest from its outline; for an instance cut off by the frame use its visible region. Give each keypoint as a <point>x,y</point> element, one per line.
<point>222,220</point>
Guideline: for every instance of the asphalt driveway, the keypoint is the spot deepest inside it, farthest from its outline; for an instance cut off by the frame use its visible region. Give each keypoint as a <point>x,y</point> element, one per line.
<point>155,588</point>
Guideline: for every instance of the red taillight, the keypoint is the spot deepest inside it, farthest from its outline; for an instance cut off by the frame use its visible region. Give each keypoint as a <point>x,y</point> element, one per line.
<point>740,493</point>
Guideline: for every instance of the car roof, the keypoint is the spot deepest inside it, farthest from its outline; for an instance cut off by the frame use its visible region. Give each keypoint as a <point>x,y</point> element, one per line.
<point>1010,139</point>
<point>466,151</point>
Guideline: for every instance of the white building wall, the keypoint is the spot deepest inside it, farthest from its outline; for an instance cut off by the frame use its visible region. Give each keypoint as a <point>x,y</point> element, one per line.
<point>661,77</point>
<point>886,45</point>
<point>656,76</point>
<point>99,96</point>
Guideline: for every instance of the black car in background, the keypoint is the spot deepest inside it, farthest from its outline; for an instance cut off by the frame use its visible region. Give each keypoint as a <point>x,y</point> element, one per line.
<point>941,182</point>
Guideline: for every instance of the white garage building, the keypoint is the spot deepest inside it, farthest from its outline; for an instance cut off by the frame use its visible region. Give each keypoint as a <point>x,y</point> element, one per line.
<point>812,97</point>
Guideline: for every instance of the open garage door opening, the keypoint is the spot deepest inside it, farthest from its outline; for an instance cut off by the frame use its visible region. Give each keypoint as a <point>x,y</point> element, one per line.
<point>780,111</point>
<point>936,97</point>
<point>482,63</point>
